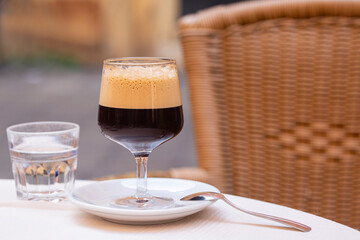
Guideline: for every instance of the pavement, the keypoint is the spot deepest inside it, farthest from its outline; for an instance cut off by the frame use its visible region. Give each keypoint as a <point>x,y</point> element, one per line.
<point>61,94</point>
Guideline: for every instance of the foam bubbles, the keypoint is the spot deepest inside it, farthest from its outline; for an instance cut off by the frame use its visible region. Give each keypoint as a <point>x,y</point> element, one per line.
<point>140,87</point>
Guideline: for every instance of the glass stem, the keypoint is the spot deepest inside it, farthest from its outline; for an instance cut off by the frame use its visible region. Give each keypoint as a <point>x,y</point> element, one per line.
<point>141,175</point>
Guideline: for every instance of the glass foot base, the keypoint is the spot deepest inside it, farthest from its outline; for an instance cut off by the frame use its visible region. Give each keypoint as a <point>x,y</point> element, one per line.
<point>149,202</point>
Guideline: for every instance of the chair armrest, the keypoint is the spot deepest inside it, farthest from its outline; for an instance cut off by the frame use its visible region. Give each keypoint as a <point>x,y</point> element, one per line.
<point>190,173</point>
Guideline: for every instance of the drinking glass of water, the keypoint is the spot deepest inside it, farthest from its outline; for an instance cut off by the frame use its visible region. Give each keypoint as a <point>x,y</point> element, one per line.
<point>44,159</point>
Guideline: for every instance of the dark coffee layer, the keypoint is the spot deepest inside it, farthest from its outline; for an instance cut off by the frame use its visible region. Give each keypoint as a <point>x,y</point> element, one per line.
<point>136,126</point>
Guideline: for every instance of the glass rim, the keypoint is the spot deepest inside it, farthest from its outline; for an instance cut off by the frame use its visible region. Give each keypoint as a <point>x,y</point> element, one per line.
<point>74,127</point>
<point>139,61</point>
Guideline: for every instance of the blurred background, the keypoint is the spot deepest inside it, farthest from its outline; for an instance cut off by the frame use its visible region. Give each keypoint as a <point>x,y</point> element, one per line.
<point>51,54</point>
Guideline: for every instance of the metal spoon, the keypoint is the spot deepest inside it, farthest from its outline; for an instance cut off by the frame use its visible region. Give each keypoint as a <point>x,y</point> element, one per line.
<point>213,196</point>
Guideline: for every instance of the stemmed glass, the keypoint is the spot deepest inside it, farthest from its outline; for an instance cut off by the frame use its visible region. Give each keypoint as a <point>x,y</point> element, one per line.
<point>140,108</point>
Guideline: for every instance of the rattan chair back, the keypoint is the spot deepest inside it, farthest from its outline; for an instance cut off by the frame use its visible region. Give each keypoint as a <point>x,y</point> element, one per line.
<point>275,92</point>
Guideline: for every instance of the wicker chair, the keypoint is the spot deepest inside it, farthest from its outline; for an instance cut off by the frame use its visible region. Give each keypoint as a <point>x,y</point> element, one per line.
<point>275,91</point>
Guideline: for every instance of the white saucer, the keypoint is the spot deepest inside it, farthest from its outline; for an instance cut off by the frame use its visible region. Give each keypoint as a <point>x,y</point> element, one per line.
<point>94,198</point>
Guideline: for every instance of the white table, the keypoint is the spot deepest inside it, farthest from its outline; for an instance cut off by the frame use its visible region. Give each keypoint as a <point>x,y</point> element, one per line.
<point>43,220</point>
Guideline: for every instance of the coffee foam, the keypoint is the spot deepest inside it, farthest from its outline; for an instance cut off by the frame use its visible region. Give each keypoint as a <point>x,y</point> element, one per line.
<point>140,87</point>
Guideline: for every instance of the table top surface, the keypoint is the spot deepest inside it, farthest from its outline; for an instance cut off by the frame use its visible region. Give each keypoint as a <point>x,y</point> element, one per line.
<point>44,220</point>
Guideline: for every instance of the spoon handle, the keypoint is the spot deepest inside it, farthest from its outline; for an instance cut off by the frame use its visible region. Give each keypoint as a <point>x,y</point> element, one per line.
<point>299,226</point>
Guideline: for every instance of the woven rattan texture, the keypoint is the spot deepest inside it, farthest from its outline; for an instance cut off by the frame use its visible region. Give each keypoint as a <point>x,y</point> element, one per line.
<point>276,108</point>
<point>207,93</point>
